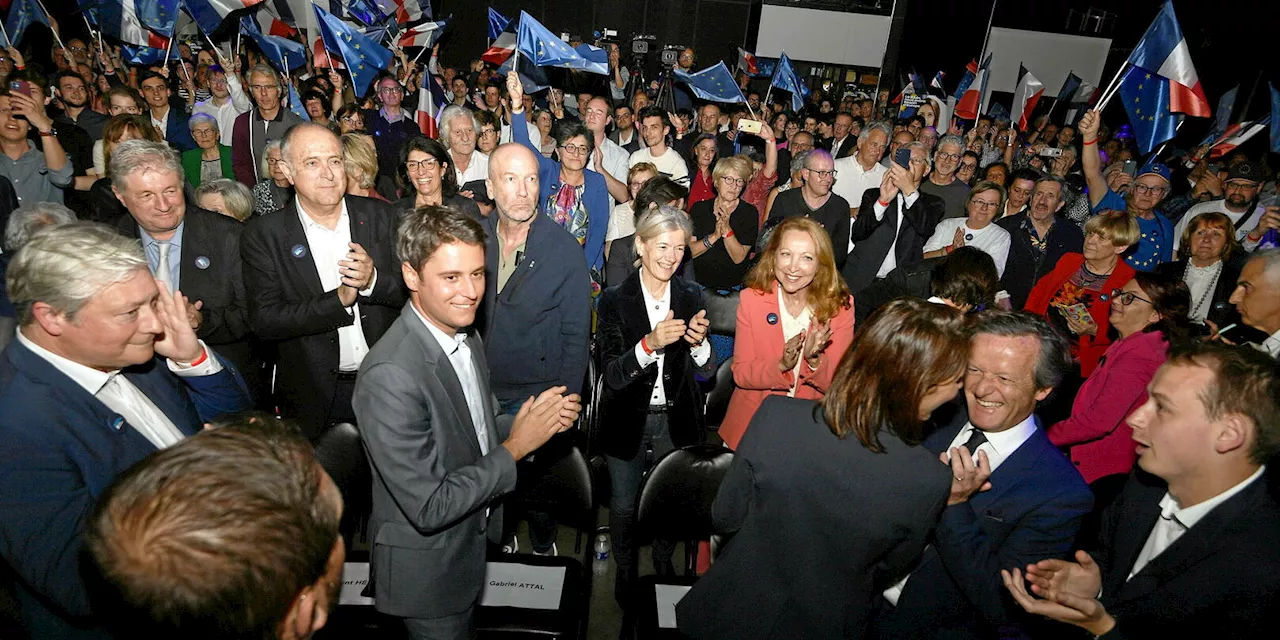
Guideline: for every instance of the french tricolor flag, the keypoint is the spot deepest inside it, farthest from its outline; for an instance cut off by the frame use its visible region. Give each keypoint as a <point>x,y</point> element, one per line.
<point>1164,52</point>
<point>431,100</point>
<point>1236,135</point>
<point>1025,97</point>
<point>119,19</point>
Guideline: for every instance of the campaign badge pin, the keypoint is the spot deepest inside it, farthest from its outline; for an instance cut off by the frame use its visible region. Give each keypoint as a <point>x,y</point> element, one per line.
<point>202,262</point>
<point>772,318</point>
<point>298,251</point>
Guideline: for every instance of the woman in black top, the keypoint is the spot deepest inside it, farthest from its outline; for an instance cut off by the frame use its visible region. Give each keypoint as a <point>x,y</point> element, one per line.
<point>427,174</point>
<point>724,228</point>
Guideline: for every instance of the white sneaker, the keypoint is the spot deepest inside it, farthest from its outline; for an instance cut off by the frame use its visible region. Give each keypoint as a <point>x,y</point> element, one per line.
<point>511,547</point>
<point>550,552</point>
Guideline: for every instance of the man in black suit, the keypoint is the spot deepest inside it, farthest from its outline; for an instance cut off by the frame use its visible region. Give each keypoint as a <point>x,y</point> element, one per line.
<point>321,280</point>
<point>893,223</point>
<point>188,248</point>
<point>844,140</point>
<point>1189,549</point>
<point>624,131</point>
<point>1016,498</point>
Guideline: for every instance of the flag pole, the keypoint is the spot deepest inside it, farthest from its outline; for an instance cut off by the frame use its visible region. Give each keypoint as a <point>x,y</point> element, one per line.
<point>987,38</point>
<point>1112,87</point>
<point>1166,142</point>
<point>169,49</point>
<point>51,29</point>
<point>6,35</point>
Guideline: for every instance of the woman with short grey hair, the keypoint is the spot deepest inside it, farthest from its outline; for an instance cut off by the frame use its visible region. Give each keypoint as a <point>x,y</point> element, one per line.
<point>274,191</point>
<point>652,338</point>
<point>210,160</point>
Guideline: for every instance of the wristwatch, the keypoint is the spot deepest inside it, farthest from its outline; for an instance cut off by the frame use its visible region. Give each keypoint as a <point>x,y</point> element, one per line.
<point>48,134</point>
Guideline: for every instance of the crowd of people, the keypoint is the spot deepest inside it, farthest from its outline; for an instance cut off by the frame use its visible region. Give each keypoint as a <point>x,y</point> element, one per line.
<point>987,382</point>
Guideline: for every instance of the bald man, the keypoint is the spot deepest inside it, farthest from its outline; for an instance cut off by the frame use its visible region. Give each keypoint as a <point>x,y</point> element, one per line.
<point>321,281</point>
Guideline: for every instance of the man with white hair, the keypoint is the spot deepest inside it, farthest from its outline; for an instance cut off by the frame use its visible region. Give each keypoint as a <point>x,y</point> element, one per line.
<point>267,121</point>
<point>188,248</point>
<point>458,132</point>
<point>1257,298</point>
<point>105,370</point>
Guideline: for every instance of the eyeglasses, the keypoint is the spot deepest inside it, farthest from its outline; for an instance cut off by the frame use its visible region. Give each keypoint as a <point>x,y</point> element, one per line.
<point>352,119</point>
<point>271,162</point>
<point>1126,298</point>
<point>984,205</point>
<point>262,88</point>
<point>1142,188</point>
<point>575,149</point>
<point>77,49</point>
<point>823,174</point>
<point>204,132</point>
<point>968,166</point>
<point>732,180</point>
<point>389,89</point>
<point>942,155</point>
<point>488,132</point>
<point>421,165</point>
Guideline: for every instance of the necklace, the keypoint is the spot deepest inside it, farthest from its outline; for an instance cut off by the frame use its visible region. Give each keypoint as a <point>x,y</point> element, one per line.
<point>1208,291</point>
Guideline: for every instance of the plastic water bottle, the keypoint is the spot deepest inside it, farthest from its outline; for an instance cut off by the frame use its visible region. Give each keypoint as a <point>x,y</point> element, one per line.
<point>601,566</point>
<point>602,547</point>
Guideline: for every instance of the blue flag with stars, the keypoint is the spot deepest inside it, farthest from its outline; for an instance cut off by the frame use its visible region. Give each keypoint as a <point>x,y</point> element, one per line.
<point>296,105</point>
<point>785,78</point>
<point>497,24</point>
<point>1145,95</point>
<point>544,48</point>
<point>160,16</point>
<point>713,83</point>
<point>145,56</point>
<point>22,14</point>
<point>283,53</point>
<point>364,57</point>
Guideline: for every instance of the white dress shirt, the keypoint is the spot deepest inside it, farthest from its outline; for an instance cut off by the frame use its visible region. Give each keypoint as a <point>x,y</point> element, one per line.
<point>1175,521</point>
<point>998,447</point>
<point>161,123</point>
<point>121,396</point>
<point>614,162</point>
<point>891,259</point>
<point>478,169</point>
<point>328,247</point>
<point>657,310</point>
<point>464,367</point>
<point>993,239</point>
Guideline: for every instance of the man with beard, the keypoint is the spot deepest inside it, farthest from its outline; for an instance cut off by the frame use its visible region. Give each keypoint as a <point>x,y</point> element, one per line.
<point>1240,204</point>
<point>624,132</point>
<point>1038,238</point>
<point>75,100</point>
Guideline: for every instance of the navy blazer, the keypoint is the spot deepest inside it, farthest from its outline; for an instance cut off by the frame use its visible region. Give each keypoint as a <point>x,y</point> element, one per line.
<point>62,448</point>
<point>178,132</point>
<point>1218,579</point>
<point>595,196</point>
<point>537,330</point>
<point>1033,511</point>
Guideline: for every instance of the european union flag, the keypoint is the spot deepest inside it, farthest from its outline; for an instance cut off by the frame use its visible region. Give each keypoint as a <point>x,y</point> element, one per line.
<point>532,78</point>
<point>283,53</point>
<point>160,16</point>
<point>364,57</point>
<point>785,78</point>
<point>713,83</point>
<point>365,12</point>
<point>1145,95</point>
<point>497,24</point>
<point>22,14</point>
<point>295,103</point>
<point>594,59</point>
<point>145,56</point>
<point>544,48</point>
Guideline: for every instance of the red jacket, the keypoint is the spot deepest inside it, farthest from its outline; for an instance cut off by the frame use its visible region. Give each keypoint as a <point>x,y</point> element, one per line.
<point>1099,438</point>
<point>757,348</point>
<point>1088,348</point>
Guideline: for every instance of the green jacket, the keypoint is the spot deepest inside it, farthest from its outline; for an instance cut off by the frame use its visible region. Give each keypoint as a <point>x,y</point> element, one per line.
<point>191,164</point>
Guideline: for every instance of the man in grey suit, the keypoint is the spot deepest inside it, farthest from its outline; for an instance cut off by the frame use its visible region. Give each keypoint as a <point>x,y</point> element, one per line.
<point>441,452</point>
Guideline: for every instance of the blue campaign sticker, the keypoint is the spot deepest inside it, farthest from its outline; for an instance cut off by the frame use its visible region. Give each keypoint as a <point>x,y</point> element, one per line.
<point>772,318</point>
<point>117,423</point>
<point>202,262</point>
<point>298,251</point>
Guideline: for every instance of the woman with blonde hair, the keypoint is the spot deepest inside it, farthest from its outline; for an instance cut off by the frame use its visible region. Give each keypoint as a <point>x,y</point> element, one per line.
<point>103,204</point>
<point>795,321</point>
<point>724,227</point>
<point>361,160</point>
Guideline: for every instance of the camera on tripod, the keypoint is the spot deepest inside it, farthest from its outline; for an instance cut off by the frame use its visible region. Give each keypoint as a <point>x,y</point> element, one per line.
<point>670,55</point>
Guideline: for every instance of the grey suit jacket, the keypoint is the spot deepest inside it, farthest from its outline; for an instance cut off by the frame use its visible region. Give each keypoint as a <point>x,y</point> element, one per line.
<point>433,491</point>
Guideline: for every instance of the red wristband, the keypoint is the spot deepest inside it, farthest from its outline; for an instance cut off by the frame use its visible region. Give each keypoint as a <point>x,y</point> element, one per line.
<point>882,202</point>
<point>204,355</point>
<point>644,344</point>
<point>730,234</point>
<point>1089,142</point>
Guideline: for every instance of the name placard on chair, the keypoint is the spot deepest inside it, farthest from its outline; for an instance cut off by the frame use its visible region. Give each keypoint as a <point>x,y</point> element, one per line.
<point>510,584</point>
<point>355,577</point>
